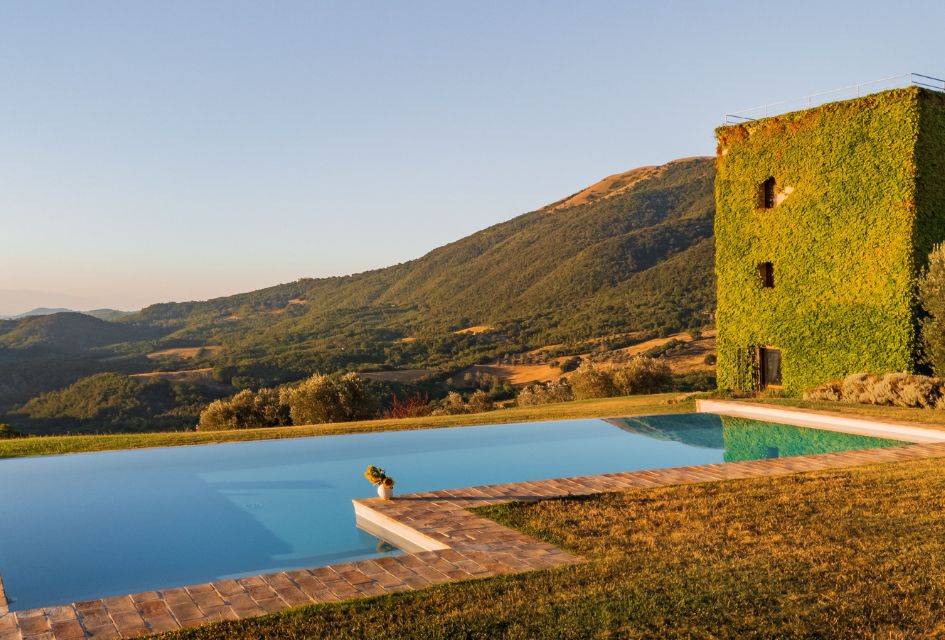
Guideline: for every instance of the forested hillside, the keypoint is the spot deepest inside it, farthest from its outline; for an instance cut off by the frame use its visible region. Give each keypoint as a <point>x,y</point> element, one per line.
<point>634,252</point>
<point>640,259</point>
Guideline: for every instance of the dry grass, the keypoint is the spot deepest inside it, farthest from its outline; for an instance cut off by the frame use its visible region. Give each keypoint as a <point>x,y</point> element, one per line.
<point>692,357</point>
<point>608,187</point>
<point>600,408</point>
<point>690,360</point>
<point>476,329</point>
<point>517,374</point>
<point>190,375</point>
<point>185,353</point>
<point>846,554</point>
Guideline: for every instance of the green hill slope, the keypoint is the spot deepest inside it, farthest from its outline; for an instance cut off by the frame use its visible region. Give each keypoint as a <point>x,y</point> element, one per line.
<point>631,252</point>
<point>70,330</point>
<point>638,259</point>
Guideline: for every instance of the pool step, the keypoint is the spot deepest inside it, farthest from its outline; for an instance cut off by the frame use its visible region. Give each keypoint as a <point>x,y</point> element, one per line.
<point>389,530</point>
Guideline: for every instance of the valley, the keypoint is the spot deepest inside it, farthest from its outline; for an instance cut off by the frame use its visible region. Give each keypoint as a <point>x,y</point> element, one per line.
<point>629,256</point>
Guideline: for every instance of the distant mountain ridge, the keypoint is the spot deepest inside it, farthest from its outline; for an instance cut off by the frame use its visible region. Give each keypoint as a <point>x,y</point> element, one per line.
<point>631,252</point>
<point>69,331</point>
<point>38,311</point>
<point>101,314</point>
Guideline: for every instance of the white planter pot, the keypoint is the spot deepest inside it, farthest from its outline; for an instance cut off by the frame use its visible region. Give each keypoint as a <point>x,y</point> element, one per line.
<point>385,492</point>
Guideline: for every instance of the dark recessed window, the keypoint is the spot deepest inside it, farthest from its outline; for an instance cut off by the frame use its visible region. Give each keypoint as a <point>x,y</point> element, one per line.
<point>770,366</point>
<point>766,274</point>
<point>766,194</point>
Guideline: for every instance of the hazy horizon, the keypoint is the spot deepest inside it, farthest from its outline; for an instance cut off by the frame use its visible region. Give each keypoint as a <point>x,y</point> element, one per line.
<point>184,151</point>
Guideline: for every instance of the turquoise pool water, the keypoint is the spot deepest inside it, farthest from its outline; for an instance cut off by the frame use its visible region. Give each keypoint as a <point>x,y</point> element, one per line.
<point>85,526</point>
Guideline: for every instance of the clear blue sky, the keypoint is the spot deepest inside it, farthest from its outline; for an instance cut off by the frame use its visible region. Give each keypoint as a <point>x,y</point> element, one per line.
<point>173,150</point>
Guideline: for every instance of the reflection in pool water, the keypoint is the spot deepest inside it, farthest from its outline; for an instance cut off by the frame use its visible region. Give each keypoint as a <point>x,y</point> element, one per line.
<point>744,439</point>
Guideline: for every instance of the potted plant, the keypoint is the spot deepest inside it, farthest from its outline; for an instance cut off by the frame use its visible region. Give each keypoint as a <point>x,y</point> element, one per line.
<point>379,478</point>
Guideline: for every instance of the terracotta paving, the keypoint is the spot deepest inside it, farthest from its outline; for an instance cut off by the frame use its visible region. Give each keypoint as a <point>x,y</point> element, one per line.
<point>475,548</point>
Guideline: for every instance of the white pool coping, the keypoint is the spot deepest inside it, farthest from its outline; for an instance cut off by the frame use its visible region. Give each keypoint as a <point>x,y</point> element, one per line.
<point>904,432</point>
<point>374,522</point>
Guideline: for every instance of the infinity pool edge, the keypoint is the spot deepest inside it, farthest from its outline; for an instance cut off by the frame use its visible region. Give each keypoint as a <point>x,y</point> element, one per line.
<point>470,547</point>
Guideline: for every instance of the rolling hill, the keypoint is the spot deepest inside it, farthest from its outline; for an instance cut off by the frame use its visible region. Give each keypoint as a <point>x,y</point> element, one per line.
<point>632,252</point>
<point>641,257</point>
<point>70,331</point>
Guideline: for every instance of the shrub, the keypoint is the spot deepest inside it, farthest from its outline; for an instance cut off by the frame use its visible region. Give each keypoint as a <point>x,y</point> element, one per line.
<point>884,389</point>
<point>661,349</point>
<point>7,432</point>
<point>919,391</point>
<point>356,401</point>
<point>895,389</point>
<point>415,406</point>
<point>695,381</point>
<point>590,381</point>
<point>479,402</point>
<point>246,410</point>
<point>856,387</point>
<point>545,393</point>
<point>639,375</point>
<point>570,364</point>
<point>830,391</point>
<point>325,399</point>
<point>454,404</point>
<point>642,375</point>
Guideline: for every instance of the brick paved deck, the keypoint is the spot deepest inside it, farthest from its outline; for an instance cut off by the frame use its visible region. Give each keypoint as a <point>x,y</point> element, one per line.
<point>3,600</point>
<point>467,546</point>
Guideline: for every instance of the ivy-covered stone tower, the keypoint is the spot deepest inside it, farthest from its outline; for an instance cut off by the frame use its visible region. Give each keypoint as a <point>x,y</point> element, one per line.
<point>824,220</point>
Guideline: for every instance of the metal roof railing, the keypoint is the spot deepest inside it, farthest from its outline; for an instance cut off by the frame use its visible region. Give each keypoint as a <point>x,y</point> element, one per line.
<point>843,93</point>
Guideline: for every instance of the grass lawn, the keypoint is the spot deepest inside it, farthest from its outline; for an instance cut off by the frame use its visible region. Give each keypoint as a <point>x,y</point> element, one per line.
<point>858,553</point>
<point>600,408</point>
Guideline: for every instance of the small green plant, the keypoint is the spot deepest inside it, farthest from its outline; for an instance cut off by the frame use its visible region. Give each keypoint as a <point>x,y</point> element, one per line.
<point>378,477</point>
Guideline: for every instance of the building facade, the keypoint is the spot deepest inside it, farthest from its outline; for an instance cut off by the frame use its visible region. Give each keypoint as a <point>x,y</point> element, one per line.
<point>824,221</point>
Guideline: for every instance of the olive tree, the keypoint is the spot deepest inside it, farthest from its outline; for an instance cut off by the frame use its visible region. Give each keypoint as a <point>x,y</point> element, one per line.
<point>323,398</point>
<point>246,410</point>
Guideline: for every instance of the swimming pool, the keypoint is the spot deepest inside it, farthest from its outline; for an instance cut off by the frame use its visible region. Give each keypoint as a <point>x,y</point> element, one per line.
<point>84,526</point>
